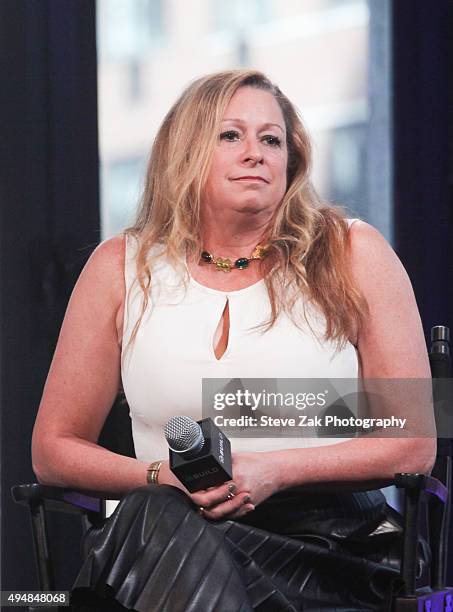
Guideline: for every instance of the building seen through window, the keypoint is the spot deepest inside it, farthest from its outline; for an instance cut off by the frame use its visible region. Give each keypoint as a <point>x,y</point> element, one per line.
<point>317,51</point>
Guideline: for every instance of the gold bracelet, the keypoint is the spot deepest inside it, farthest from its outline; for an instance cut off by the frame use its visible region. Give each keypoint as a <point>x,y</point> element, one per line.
<point>152,475</point>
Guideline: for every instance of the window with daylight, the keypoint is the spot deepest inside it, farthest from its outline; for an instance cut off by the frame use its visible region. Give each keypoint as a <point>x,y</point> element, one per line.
<point>331,57</point>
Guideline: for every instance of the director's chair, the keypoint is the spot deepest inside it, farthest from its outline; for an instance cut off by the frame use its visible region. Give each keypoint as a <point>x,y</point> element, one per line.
<point>423,494</point>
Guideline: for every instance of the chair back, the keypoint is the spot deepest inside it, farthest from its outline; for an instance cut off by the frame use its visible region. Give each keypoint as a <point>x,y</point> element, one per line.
<point>439,523</point>
<point>116,434</point>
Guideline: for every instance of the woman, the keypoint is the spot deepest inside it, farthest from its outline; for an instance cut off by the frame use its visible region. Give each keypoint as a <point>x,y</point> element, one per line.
<point>228,178</point>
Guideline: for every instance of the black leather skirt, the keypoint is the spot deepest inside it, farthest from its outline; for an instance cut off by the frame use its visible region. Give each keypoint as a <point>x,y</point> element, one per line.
<point>296,551</point>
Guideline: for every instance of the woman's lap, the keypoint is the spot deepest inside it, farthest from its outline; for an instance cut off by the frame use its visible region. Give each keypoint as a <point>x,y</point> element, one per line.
<point>156,553</point>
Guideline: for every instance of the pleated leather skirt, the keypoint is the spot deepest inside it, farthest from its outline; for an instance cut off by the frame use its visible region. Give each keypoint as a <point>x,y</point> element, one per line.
<point>296,551</point>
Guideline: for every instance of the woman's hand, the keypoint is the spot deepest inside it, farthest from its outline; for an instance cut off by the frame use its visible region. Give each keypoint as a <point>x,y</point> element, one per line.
<point>224,501</point>
<point>254,480</point>
<point>256,473</point>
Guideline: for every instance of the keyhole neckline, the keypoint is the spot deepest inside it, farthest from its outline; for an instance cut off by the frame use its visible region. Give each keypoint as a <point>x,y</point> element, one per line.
<point>222,292</point>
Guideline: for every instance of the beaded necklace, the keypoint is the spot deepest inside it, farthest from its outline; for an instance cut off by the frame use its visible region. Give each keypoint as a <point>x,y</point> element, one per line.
<point>226,265</point>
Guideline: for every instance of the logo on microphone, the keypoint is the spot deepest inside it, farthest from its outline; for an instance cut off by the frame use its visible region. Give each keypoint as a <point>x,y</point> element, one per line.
<point>197,475</point>
<point>221,453</point>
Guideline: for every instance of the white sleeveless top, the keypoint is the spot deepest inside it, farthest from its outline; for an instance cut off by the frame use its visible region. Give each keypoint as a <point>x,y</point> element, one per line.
<point>163,368</point>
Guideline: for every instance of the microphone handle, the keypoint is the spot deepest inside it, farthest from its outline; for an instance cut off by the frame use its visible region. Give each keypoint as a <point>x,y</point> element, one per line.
<point>440,363</point>
<point>439,354</point>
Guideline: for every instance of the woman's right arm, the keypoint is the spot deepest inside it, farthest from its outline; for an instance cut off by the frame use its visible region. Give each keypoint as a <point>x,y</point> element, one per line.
<point>81,386</point>
<point>83,382</point>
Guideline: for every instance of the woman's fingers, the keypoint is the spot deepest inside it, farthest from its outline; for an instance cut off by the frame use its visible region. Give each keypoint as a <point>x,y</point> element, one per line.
<point>233,508</point>
<point>223,502</point>
<point>245,509</point>
<point>215,495</point>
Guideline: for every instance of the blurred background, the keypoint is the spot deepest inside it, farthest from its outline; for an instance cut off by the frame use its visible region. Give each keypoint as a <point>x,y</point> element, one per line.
<point>84,87</point>
<point>318,52</point>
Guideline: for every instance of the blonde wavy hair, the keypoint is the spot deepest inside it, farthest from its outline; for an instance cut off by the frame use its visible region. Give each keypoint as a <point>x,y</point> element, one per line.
<point>308,241</point>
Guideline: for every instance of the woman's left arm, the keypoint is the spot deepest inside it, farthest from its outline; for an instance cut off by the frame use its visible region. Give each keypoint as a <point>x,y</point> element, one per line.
<point>393,322</point>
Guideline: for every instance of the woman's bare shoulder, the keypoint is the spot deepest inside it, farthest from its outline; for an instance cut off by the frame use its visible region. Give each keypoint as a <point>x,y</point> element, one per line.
<point>109,255</point>
<point>375,264</point>
<point>360,231</point>
<point>105,268</point>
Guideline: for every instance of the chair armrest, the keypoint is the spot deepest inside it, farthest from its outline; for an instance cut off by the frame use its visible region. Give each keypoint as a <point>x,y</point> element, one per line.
<point>80,501</point>
<point>422,482</point>
<point>59,498</point>
<point>40,498</point>
<point>407,481</point>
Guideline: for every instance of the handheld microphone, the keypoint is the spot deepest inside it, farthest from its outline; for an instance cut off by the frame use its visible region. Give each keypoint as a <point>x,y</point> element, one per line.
<point>439,354</point>
<point>440,363</point>
<point>200,453</point>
